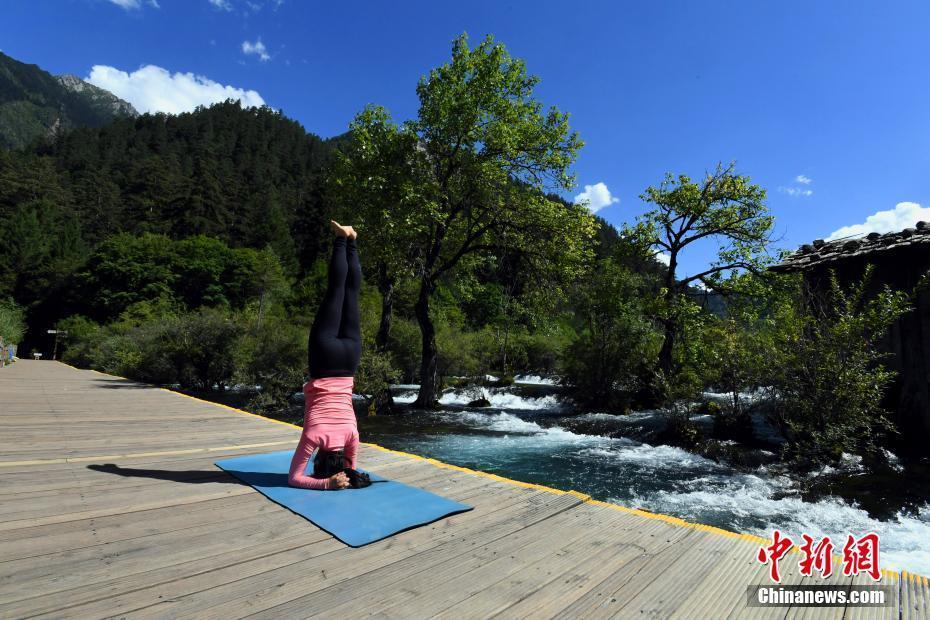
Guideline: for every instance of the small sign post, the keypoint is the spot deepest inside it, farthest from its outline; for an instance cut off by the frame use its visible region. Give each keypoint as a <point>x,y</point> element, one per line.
<point>55,348</point>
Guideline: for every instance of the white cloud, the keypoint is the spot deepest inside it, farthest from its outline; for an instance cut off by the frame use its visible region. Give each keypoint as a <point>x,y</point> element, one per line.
<point>133,5</point>
<point>258,48</point>
<point>800,189</point>
<point>663,257</point>
<point>153,89</point>
<point>904,215</point>
<point>221,4</point>
<point>596,196</point>
<point>796,191</point>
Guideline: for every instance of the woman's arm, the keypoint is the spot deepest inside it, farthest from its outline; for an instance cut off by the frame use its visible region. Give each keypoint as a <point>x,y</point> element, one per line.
<point>350,450</point>
<point>296,476</point>
<point>303,481</point>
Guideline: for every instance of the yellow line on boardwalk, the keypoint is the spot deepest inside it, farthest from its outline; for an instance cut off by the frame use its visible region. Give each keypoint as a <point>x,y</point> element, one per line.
<point>222,406</point>
<point>587,499</point>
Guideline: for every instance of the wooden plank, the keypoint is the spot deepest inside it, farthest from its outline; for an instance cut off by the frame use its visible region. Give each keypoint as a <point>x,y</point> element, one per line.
<point>480,585</point>
<point>564,586</point>
<point>610,544</point>
<point>619,588</point>
<point>122,509</point>
<point>199,586</point>
<point>61,537</point>
<point>121,590</point>
<point>874,613</point>
<point>419,547</point>
<point>122,594</point>
<point>67,569</point>
<point>40,540</point>
<point>723,587</point>
<point>915,596</point>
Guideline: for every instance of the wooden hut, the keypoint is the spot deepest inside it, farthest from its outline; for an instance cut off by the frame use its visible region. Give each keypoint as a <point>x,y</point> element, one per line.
<point>900,259</point>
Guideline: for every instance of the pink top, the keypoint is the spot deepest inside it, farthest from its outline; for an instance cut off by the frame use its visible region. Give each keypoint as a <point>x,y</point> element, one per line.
<point>329,424</point>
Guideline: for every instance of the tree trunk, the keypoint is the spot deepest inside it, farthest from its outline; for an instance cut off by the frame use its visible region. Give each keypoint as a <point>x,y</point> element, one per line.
<point>508,299</point>
<point>668,344</point>
<point>665,366</point>
<point>261,309</point>
<point>426,399</point>
<point>386,288</point>
<point>504,356</point>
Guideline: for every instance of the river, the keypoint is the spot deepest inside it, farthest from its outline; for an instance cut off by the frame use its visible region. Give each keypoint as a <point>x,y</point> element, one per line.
<point>533,438</point>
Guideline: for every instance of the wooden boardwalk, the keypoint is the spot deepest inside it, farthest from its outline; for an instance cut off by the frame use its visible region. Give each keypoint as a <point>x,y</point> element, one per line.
<point>111,506</point>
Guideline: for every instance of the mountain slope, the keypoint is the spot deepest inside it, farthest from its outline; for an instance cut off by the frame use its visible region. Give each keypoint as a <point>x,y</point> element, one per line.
<point>35,103</point>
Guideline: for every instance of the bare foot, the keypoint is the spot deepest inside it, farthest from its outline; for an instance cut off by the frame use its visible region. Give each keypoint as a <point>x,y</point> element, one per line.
<point>341,231</point>
<point>352,233</point>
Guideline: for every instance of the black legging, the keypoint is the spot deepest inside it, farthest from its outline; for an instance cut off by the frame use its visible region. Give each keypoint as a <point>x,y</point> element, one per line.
<point>335,339</point>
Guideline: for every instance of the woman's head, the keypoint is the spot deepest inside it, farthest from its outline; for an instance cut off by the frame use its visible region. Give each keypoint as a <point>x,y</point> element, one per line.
<point>328,463</point>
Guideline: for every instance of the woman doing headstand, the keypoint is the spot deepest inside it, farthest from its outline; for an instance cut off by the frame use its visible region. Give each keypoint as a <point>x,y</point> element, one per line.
<point>334,350</point>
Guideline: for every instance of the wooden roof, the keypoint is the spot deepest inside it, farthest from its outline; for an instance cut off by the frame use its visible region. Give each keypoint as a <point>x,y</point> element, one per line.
<point>820,252</point>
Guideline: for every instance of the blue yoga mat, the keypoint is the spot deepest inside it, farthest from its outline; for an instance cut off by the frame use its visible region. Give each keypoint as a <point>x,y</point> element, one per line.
<point>354,516</point>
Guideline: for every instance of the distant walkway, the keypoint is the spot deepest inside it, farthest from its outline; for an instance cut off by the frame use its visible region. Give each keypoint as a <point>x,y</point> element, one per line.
<point>110,505</point>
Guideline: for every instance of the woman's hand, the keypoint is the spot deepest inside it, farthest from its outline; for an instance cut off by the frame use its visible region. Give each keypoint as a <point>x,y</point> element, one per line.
<point>338,481</point>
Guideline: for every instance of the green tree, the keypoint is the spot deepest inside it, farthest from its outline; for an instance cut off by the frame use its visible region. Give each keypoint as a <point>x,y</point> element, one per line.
<point>124,270</point>
<point>199,266</point>
<point>150,193</point>
<point>724,208</point>
<point>205,211</point>
<point>43,246</point>
<point>98,203</point>
<point>79,348</point>
<point>376,185</point>
<point>262,277</point>
<point>490,151</point>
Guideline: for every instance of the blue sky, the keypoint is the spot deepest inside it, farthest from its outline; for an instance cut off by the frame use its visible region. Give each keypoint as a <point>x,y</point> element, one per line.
<point>825,104</point>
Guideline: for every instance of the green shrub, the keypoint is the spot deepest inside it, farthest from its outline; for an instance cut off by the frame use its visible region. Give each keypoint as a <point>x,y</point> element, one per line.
<point>12,322</point>
<point>373,378</point>
<point>200,347</point>
<point>79,347</point>
<point>405,346</point>
<point>273,357</point>
<point>460,352</point>
<point>680,429</point>
<point>545,349</point>
<point>612,355</point>
<point>827,377</point>
<point>195,350</point>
